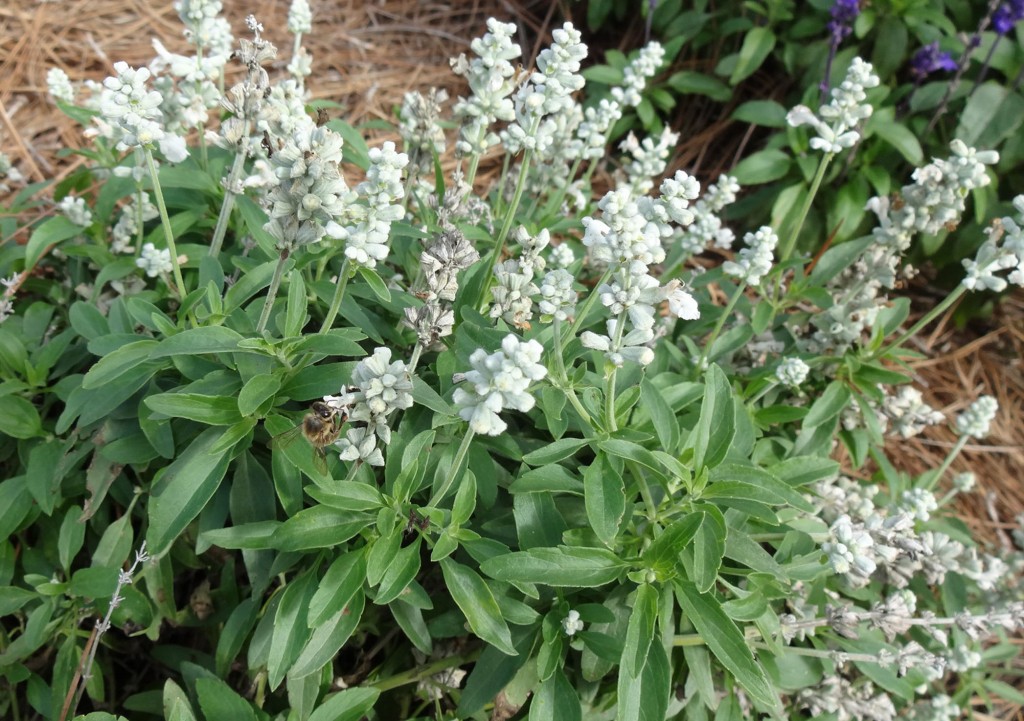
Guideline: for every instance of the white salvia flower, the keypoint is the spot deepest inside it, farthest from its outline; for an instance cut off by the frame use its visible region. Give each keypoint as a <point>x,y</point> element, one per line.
<point>623,236</point>
<point>420,126</point>
<point>792,372</point>
<point>962,659</point>
<point>561,255</point>
<point>909,413</point>
<point>976,419</point>
<point>442,261</point>
<point>557,296</point>
<point>513,293</point>
<point>964,482</point>
<point>548,92</point>
<point>1003,250</point>
<point>680,303</point>
<point>129,107</point>
<point>597,123</point>
<point>59,85</point>
<point>360,444</point>
<point>300,18</point>
<point>850,549</point>
<point>491,80</point>
<point>8,172</point>
<point>938,708</point>
<point>174,148</point>
<point>919,503</point>
<point>754,261</point>
<point>631,346</point>
<point>676,194</point>
<point>707,227</point>
<point>634,295</point>
<point>366,241</point>
<point>154,262</point>
<point>836,127</point>
<point>572,623</point>
<point>75,210</point>
<point>310,191</point>
<point>301,64</point>
<point>127,226</point>
<point>385,386</point>
<point>431,321</point>
<point>635,75</point>
<point>498,381</point>
<point>649,160</point>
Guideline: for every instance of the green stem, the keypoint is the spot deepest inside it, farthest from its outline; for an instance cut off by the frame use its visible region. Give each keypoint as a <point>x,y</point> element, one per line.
<point>556,202</point>
<point>925,320</point>
<point>946,463</point>
<point>417,351</point>
<point>339,293</point>
<point>421,672</point>
<point>453,473</point>
<point>589,303</point>
<point>645,490</point>
<point>563,376</point>
<point>688,639</point>
<point>275,283</point>
<point>351,475</point>
<point>506,226</point>
<point>610,418</point>
<point>229,195</point>
<point>166,222</point>
<point>720,324</point>
<point>787,248</point>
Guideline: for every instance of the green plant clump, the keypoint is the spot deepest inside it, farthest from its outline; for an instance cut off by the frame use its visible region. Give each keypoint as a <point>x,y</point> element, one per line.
<point>283,444</point>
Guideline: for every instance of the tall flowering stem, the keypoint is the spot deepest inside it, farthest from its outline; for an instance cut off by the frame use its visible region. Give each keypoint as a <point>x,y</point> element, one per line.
<point>790,244</point>
<point>229,193</point>
<point>563,375</point>
<point>339,294</point>
<point>275,285</point>
<point>165,221</point>
<point>927,318</point>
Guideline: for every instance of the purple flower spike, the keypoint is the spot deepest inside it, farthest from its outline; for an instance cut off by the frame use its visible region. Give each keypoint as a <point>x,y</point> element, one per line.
<point>930,59</point>
<point>1007,15</point>
<point>843,13</point>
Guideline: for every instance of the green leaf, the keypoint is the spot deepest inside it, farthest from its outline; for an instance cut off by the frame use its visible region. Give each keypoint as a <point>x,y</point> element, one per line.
<point>558,566</point>
<point>400,573</point>
<point>337,341</point>
<point>552,478</point>
<point>899,137</point>
<point>837,259</point>
<point>376,283</point>
<point>351,704</point>
<point>645,697</point>
<point>708,548</point>
<point>20,419</point>
<point>176,705</point>
<point>554,452</point>
<point>254,280</point>
<point>757,44</point>
<point>762,167</point>
<point>716,425</point>
<point>804,470</point>
<point>111,366</point>
<point>663,555</point>
<point>726,642</point>
<point>353,496</point>
<point>184,489</point>
<point>295,313</point>
<point>219,701</point>
<point>411,621</point>
<point>290,629</point>
<point>603,74</point>
<point>828,405</point>
<point>327,638</point>
<point>13,598</point>
<point>556,699</point>
<point>640,631</point>
<point>992,113</point>
<point>256,391</point>
<point>605,498</point>
<point>208,339</point>
<point>339,585</point>
<point>318,527</point>
<point>234,633</point>
<point>50,232</point>
<point>767,113</point>
<point>472,595</point>
<point>356,150</point>
<point>211,410</point>
<point>252,536</point>
<point>666,426</point>
<point>690,82</point>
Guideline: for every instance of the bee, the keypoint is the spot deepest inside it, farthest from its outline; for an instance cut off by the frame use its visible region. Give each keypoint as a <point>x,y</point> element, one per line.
<point>321,427</point>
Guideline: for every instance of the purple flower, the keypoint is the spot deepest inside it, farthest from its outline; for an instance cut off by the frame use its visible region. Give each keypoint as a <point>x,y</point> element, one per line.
<point>843,13</point>
<point>930,59</point>
<point>1007,15</point>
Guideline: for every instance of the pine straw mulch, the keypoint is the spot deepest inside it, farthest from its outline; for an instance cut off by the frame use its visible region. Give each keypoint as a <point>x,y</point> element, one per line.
<point>368,54</point>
